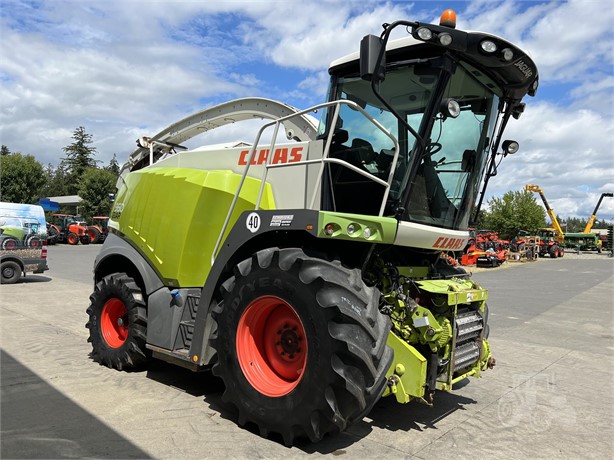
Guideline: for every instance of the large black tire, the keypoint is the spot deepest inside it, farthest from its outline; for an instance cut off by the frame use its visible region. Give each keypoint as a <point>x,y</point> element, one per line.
<point>52,235</point>
<point>117,323</point>
<point>72,238</point>
<point>10,272</point>
<point>315,329</point>
<point>9,243</point>
<point>553,251</point>
<point>33,241</point>
<point>85,239</point>
<point>94,234</point>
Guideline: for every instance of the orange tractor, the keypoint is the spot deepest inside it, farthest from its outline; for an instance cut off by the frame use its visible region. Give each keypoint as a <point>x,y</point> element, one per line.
<point>98,229</point>
<point>68,229</point>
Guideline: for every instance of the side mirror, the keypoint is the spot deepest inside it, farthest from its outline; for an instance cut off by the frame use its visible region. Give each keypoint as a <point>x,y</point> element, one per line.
<point>370,49</point>
<point>468,161</point>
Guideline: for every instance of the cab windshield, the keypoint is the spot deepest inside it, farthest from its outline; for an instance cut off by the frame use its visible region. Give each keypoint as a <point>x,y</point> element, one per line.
<point>451,164</point>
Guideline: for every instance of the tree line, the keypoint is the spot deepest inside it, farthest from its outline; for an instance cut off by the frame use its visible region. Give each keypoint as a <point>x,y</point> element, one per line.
<point>23,179</point>
<point>519,211</point>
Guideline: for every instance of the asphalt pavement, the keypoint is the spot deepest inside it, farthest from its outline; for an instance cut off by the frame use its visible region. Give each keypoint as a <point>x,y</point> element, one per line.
<point>551,394</point>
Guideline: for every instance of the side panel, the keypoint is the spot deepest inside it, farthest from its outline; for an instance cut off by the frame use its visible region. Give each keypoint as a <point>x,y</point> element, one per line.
<point>287,176</point>
<point>424,236</point>
<point>174,216</point>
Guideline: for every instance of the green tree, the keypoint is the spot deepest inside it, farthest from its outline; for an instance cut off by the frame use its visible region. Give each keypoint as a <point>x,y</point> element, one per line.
<point>95,187</point>
<point>516,210</point>
<point>4,150</point>
<point>21,178</point>
<point>56,181</point>
<point>113,165</point>
<point>79,157</point>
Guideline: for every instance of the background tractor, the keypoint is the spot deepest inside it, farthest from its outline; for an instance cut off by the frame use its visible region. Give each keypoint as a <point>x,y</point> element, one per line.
<point>307,274</point>
<point>68,229</point>
<point>98,229</point>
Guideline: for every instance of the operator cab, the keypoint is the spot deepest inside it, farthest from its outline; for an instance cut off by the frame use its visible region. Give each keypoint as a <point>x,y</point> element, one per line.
<point>446,101</point>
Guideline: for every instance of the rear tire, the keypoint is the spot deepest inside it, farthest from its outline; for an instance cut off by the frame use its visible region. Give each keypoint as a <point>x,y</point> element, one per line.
<point>117,323</point>
<point>33,242</point>
<point>11,272</point>
<point>553,252</point>
<point>94,234</point>
<point>301,344</point>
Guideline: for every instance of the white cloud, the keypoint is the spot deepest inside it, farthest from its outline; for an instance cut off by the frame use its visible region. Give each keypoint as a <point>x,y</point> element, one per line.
<point>567,153</point>
<point>129,68</point>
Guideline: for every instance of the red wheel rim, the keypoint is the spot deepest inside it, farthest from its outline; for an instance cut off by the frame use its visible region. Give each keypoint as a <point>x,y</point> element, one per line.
<point>92,235</point>
<point>114,323</point>
<point>10,244</point>
<point>271,346</point>
<point>72,239</point>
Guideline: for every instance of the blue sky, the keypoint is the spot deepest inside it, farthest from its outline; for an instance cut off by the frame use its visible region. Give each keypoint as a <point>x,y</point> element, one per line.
<point>124,69</point>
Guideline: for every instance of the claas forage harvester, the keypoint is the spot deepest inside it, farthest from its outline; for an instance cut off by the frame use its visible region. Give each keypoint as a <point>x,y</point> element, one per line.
<point>308,274</point>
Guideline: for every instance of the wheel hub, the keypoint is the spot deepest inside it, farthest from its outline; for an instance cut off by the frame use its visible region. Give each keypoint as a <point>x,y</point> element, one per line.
<point>289,344</point>
<point>271,346</point>
<point>114,322</point>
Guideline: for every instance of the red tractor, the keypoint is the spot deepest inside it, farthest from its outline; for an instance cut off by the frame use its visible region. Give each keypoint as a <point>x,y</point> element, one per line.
<point>99,229</point>
<point>68,229</point>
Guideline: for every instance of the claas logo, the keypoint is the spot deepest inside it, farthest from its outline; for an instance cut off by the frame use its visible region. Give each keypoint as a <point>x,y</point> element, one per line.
<point>281,155</point>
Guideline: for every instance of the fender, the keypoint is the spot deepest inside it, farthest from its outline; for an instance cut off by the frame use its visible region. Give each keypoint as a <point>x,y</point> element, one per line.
<point>113,247</point>
<point>249,225</point>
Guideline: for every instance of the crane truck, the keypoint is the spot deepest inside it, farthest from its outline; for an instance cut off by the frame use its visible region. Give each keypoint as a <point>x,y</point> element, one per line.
<point>307,273</point>
<point>551,240</point>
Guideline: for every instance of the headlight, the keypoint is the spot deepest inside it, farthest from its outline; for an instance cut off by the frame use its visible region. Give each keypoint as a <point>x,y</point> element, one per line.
<point>508,54</point>
<point>510,147</point>
<point>445,39</point>
<point>488,46</point>
<point>424,33</point>
<point>450,108</point>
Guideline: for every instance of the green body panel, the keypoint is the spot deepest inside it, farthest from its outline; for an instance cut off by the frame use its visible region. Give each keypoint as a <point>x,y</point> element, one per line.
<point>409,367</point>
<point>417,326</point>
<point>175,215</point>
<point>383,229</point>
<point>14,232</point>
<point>413,272</point>
<point>457,290</point>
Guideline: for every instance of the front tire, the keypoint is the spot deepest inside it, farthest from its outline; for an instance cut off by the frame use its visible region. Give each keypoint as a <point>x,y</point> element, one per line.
<point>301,344</point>
<point>11,272</point>
<point>117,323</point>
<point>72,238</point>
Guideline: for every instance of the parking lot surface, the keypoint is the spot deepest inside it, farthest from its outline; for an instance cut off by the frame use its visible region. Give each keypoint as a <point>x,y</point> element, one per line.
<point>551,394</point>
